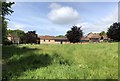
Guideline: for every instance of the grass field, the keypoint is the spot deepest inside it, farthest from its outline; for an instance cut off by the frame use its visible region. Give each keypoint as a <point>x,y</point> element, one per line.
<point>70,61</point>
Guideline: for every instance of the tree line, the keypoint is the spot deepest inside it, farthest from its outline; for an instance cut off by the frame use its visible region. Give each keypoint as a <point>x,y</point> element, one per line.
<point>24,38</point>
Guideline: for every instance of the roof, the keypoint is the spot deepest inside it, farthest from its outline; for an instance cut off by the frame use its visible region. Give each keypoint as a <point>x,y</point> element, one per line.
<point>84,38</point>
<point>46,37</point>
<point>93,35</point>
<point>61,38</point>
<point>52,38</point>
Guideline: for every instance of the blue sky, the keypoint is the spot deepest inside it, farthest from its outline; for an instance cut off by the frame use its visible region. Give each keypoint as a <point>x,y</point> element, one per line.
<point>55,18</point>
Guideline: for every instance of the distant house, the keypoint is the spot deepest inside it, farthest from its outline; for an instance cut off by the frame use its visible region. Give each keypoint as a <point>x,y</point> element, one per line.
<point>91,37</point>
<point>61,40</point>
<point>13,39</point>
<point>10,37</point>
<point>52,40</point>
<point>94,37</point>
<point>46,39</point>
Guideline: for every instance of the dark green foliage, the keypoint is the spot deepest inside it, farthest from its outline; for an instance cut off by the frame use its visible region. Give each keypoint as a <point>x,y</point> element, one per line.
<point>17,33</point>
<point>114,31</point>
<point>4,29</point>
<point>8,42</point>
<point>30,61</point>
<point>6,10</point>
<point>102,33</point>
<point>101,38</point>
<point>31,37</point>
<point>74,34</point>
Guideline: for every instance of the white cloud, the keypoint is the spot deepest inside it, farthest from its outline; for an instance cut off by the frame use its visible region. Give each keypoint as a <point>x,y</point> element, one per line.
<point>62,14</point>
<point>88,27</point>
<point>14,25</point>
<point>101,25</point>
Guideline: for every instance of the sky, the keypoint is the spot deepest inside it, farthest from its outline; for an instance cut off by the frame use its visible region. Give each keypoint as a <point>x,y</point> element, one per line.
<point>56,18</point>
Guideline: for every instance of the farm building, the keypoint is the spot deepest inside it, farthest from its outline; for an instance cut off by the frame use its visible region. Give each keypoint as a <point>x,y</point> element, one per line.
<point>52,40</point>
<point>91,37</point>
<point>46,39</point>
<point>84,39</point>
<point>95,37</point>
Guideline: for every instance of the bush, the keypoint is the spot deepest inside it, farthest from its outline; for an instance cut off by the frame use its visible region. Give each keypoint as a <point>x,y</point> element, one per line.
<point>8,42</point>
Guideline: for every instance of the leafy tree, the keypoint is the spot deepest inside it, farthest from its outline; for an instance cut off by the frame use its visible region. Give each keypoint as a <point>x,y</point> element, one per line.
<point>114,31</point>
<point>17,33</point>
<point>102,33</point>
<point>74,34</point>
<point>6,10</point>
<point>31,37</point>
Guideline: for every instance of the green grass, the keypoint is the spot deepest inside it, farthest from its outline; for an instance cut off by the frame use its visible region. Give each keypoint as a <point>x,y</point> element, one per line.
<point>70,61</point>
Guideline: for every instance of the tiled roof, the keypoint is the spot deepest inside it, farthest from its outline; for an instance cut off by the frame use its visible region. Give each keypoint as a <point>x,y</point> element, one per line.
<point>61,38</point>
<point>52,38</point>
<point>46,37</point>
<point>93,35</point>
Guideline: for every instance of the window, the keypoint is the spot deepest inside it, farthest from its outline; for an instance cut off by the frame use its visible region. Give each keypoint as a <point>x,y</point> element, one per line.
<point>44,40</point>
<point>49,40</point>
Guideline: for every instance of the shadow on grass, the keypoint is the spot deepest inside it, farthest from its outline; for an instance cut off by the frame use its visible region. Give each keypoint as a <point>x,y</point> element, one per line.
<point>29,61</point>
<point>8,51</point>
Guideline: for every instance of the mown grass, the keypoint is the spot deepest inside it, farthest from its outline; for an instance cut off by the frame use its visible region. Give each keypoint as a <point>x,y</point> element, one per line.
<point>70,61</point>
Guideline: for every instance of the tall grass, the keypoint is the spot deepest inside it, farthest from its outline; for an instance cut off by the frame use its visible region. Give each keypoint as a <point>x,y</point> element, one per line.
<point>66,61</point>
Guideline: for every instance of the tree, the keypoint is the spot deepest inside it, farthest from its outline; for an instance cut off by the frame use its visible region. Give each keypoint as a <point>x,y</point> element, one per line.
<point>102,33</point>
<point>17,33</point>
<point>31,37</point>
<point>74,34</point>
<point>114,31</point>
<point>6,10</point>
